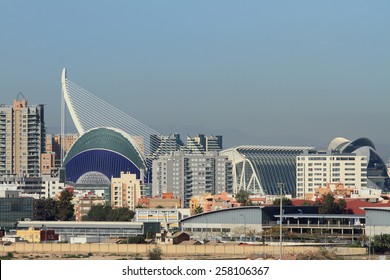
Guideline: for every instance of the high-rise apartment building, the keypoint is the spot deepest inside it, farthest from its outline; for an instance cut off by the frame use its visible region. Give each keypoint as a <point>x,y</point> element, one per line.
<point>160,144</point>
<point>200,144</point>
<point>125,190</point>
<point>53,145</point>
<point>22,138</point>
<point>187,175</point>
<point>329,168</point>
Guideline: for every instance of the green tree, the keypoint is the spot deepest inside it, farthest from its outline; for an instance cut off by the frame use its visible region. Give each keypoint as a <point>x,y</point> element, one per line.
<point>198,209</point>
<point>285,201</point>
<point>381,243</point>
<point>97,213</point>
<point>107,213</point>
<point>51,209</point>
<point>242,197</point>
<point>139,239</point>
<point>39,209</point>
<point>121,214</point>
<point>65,206</point>
<point>46,209</point>
<point>329,205</point>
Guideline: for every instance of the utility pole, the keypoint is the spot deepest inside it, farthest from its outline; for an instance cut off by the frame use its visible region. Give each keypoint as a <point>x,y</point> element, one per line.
<point>281,186</point>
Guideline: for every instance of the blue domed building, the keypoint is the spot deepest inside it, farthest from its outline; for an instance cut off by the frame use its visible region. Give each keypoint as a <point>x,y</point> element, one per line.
<point>108,151</point>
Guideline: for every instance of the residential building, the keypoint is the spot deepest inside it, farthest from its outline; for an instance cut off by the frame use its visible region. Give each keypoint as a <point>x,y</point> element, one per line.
<point>209,202</point>
<point>22,138</point>
<point>160,144</point>
<point>36,187</point>
<point>201,144</point>
<point>329,168</point>
<point>125,190</point>
<point>48,163</point>
<point>84,202</point>
<point>188,175</point>
<point>166,200</point>
<point>53,185</point>
<point>53,145</point>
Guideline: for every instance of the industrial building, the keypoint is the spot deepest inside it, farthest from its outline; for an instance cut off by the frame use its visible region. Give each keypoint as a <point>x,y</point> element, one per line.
<point>99,230</point>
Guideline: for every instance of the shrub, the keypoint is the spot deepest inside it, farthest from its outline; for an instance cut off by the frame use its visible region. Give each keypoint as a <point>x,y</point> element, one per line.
<point>155,253</point>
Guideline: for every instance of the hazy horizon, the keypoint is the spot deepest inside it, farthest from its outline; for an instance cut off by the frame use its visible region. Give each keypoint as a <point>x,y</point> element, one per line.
<point>257,72</point>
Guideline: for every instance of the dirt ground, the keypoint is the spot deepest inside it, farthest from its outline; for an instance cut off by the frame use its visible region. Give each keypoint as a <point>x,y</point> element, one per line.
<point>67,256</point>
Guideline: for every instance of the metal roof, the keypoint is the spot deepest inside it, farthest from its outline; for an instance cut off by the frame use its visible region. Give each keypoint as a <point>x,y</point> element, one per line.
<point>321,216</point>
<point>71,224</point>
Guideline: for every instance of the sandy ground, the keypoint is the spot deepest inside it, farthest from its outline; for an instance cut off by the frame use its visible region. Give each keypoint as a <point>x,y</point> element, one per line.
<point>67,256</point>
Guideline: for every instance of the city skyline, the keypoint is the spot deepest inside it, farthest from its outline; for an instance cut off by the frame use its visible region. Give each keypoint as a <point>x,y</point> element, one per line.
<point>282,73</point>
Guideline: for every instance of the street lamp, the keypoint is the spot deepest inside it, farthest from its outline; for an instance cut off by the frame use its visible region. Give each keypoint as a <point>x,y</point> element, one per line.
<point>245,226</point>
<point>281,186</point>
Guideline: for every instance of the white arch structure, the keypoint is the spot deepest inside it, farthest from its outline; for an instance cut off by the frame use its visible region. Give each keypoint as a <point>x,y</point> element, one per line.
<point>258,169</point>
<point>89,111</point>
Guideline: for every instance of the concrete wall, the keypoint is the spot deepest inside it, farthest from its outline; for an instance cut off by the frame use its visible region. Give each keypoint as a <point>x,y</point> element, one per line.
<point>179,250</point>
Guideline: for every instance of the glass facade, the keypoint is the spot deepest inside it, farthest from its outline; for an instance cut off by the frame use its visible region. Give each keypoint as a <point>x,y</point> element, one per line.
<point>14,209</point>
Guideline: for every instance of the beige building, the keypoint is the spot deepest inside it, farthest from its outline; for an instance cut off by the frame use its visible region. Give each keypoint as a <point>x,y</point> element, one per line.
<point>84,203</point>
<point>31,235</point>
<point>22,138</point>
<point>125,191</point>
<point>48,162</point>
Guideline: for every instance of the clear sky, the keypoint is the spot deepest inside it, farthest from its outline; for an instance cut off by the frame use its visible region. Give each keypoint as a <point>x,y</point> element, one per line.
<point>258,72</point>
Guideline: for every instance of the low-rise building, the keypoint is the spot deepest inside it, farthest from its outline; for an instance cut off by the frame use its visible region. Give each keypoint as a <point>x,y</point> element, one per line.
<point>84,202</point>
<point>377,220</point>
<point>209,202</point>
<point>169,218</point>
<point>37,234</point>
<point>167,200</point>
<point>101,230</point>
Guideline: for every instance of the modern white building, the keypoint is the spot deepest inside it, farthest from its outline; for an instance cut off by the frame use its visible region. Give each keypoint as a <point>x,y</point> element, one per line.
<point>188,175</point>
<point>328,168</point>
<point>259,169</point>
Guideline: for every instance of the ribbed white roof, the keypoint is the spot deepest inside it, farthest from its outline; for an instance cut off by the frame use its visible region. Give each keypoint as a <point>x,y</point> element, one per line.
<point>337,142</point>
<point>272,148</point>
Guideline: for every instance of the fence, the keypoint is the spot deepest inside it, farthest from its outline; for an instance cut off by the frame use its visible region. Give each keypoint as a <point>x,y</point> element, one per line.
<point>173,250</point>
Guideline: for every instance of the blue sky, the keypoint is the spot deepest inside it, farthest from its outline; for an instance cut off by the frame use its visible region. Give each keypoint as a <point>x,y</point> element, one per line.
<point>258,72</point>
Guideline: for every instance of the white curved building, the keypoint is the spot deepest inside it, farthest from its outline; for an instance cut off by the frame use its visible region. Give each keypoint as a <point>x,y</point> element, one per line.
<point>259,169</point>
